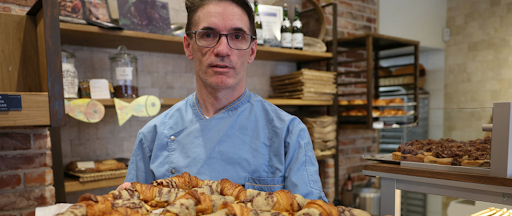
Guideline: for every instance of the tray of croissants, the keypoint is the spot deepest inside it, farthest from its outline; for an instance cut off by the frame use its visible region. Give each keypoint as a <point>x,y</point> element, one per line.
<point>187,195</point>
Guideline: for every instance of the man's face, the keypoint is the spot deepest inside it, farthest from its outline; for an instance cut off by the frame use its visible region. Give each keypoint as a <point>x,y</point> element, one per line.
<point>220,67</point>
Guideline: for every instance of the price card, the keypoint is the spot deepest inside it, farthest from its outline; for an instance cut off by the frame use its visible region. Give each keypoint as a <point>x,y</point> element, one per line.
<point>10,102</point>
<point>99,89</point>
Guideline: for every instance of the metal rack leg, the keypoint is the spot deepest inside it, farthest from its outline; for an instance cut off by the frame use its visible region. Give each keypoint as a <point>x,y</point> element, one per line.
<point>390,197</point>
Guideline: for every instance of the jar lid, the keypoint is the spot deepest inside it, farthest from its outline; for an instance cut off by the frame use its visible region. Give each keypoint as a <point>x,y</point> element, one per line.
<point>67,54</point>
<point>122,54</point>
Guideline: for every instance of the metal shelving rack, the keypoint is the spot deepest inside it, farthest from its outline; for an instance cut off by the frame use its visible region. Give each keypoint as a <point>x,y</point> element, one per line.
<point>377,47</point>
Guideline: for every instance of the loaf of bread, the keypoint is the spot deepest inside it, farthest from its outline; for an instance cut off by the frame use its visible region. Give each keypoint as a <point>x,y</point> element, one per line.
<point>94,166</point>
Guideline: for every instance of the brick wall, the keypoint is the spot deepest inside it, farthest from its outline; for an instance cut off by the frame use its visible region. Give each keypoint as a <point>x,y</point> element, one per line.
<point>15,6</point>
<point>354,17</point>
<point>26,176</point>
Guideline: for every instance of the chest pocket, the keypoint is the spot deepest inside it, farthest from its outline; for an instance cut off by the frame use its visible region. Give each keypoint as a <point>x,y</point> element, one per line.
<point>264,184</point>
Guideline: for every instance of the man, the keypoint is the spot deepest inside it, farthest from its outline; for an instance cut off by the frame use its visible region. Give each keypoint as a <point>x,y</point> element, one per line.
<point>222,130</point>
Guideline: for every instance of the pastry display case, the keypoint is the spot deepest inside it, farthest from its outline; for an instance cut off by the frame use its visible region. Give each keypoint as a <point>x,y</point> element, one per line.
<point>478,133</point>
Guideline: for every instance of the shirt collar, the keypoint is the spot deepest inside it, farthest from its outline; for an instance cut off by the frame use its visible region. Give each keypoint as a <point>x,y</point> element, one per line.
<point>232,106</point>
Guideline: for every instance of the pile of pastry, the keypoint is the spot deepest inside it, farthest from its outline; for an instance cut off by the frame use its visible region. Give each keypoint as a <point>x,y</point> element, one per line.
<point>472,153</point>
<point>375,102</point>
<point>492,211</point>
<point>187,195</point>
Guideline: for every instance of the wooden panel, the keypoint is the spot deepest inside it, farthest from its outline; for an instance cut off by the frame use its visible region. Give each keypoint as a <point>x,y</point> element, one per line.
<point>35,110</point>
<point>85,35</point>
<point>73,185</point>
<point>19,62</point>
<point>48,30</point>
<point>437,174</point>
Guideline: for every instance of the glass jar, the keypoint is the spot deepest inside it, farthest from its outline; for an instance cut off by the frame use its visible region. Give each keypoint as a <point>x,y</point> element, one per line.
<point>69,75</point>
<point>123,70</point>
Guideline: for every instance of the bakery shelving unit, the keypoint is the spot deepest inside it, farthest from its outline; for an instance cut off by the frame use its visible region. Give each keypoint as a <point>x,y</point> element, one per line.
<point>30,66</point>
<point>377,48</point>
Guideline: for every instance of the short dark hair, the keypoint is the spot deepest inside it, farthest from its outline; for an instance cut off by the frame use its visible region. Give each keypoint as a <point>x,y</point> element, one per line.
<point>193,6</point>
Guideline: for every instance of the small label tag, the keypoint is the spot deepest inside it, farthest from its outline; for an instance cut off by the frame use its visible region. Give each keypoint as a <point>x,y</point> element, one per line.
<point>10,102</point>
<point>85,165</point>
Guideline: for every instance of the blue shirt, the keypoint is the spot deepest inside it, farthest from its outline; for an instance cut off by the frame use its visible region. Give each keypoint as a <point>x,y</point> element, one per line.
<point>250,142</point>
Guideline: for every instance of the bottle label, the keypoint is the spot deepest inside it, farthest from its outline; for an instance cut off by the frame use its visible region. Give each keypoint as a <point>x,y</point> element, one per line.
<point>297,23</point>
<point>298,40</point>
<point>259,33</point>
<point>286,39</point>
<point>124,73</point>
<point>69,80</point>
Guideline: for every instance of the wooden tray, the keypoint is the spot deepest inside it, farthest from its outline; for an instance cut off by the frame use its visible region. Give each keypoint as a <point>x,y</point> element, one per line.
<point>95,176</point>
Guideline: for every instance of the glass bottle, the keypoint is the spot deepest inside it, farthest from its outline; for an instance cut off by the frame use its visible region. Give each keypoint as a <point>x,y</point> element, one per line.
<point>258,24</point>
<point>286,29</point>
<point>123,71</point>
<point>69,75</point>
<point>348,183</point>
<point>297,35</point>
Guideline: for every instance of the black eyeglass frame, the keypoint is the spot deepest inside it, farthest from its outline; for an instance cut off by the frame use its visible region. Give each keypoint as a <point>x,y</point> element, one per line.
<point>220,36</point>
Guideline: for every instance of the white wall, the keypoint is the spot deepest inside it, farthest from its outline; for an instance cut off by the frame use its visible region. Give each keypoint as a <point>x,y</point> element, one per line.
<point>421,20</point>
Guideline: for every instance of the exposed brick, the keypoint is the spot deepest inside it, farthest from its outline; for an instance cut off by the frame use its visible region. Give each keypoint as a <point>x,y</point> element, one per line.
<point>42,141</point>
<point>8,214</point>
<point>27,3</point>
<point>25,161</point>
<point>342,151</point>
<point>39,178</point>
<point>31,212</point>
<point>329,163</point>
<point>371,20</point>
<point>14,141</point>
<point>371,149</point>
<point>347,142</point>
<point>357,150</point>
<point>5,9</point>
<point>27,199</point>
<point>362,141</point>
<point>371,2</point>
<point>345,5</point>
<point>10,181</point>
<point>20,11</point>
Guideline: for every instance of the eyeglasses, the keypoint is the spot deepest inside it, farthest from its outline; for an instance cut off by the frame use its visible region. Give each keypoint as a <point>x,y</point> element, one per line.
<point>210,39</point>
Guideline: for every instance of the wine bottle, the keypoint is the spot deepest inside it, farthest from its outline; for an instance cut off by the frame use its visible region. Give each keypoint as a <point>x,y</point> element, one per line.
<point>258,24</point>
<point>297,35</point>
<point>286,29</point>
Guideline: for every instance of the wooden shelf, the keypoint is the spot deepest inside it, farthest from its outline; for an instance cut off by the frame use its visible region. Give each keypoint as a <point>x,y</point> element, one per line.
<point>92,36</point>
<point>35,110</point>
<point>72,184</point>
<point>275,101</point>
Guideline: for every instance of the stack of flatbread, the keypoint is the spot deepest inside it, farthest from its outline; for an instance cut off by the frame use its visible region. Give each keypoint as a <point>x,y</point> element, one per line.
<point>323,134</point>
<point>304,84</point>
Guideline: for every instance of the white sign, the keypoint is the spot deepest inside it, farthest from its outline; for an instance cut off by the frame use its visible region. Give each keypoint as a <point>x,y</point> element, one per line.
<point>99,89</point>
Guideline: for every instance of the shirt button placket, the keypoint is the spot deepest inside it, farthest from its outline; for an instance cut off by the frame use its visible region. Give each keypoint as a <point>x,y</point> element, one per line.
<point>172,139</point>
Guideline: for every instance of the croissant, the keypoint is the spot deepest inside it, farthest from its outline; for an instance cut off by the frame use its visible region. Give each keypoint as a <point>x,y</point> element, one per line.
<point>96,205</point>
<point>123,211</point>
<point>237,209</point>
<point>318,207</point>
<point>229,188</point>
<point>285,202</point>
<point>184,181</point>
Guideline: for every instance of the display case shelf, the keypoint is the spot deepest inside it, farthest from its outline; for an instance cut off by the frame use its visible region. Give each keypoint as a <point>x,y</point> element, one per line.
<point>92,36</point>
<point>72,184</point>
